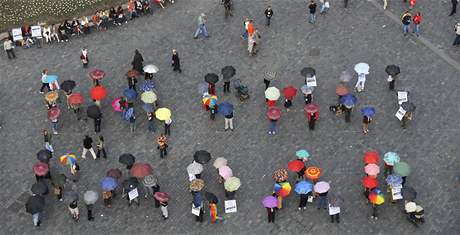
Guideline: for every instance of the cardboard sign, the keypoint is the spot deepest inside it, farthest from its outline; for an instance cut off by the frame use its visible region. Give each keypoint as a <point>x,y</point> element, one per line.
<point>17,34</point>
<point>133,194</point>
<point>196,210</point>
<point>333,210</point>
<point>400,114</point>
<point>396,193</point>
<point>230,206</point>
<point>36,31</point>
<point>311,81</point>
<point>402,97</point>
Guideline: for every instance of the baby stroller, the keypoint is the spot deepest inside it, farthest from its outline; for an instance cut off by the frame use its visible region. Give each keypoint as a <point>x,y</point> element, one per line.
<point>242,91</point>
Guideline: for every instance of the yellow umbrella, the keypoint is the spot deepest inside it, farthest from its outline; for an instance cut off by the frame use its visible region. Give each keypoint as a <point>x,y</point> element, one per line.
<point>149,97</point>
<point>51,96</point>
<point>163,114</point>
<point>272,93</point>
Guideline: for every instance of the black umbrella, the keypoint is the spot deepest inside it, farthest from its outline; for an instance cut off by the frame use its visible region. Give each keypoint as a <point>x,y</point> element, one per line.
<point>130,183</point>
<point>408,106</point>
<point>127,159</point>
<point>392,70</point>
<point>211,197</point>
<point>44,155</point>
<point>408,193</point>
<point>308,72</point>
<point>35,204</point>
<point>228,71</point>
<point>93,112</point>
<point>39,188</point>
<point>58,180</point>
<point>70,196</point>
<point>202,156</point>
<point>211,78</point>
<point>68,85</point>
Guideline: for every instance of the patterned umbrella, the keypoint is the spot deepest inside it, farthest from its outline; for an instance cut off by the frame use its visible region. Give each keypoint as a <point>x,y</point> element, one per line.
<point>147,85</point>
<point>150,181</point>
<point>394,180</point>
<point>370,182</point>
<point>282,189</point>
<point>196,185</point>
<point>68,159</point>
<point>321,187</point>
<point>141,169</point>
<point>272,93</point>
<point>76,99</point>
<point>372,169</point>
<point>280,175</point>
<point>98,93</point>
<point>97,74</point>
<point>210,100</point>
<point>371,157</point>
<point>376,197</point>
<point>148,97</point>
<point>51,96</point>
<point>219,162</point>
<point>40,168</point>
<point>313,173</point>
<point>226,172</point>
<point>391,158</point>
<point>232,184</point>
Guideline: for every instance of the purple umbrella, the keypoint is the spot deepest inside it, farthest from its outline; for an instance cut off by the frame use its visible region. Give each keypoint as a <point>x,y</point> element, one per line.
<point>270,202</point>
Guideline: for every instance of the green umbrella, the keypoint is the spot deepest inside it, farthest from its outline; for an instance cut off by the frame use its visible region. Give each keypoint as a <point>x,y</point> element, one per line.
<point>232,184</point>
<point>402,168</point>
<point>58,180</point>
<point>391,158</point>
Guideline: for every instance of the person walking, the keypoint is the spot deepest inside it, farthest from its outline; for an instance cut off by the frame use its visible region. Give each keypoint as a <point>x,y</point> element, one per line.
<point>151,122</point>
<point>405,119</point>
<point>97,124</point>
<point>176,61</point>
<point>359,86</point>
<point>366,121</point>
<point>229,121</point>
<point>212,112</point>
<point>132,122</point>
<point>74,211</point>
<point>57,190</point>
<point>226,84</point>
<point>391,82</point>
<point>454,7</point>
<point>272,127</point>
<point>334,211</point>
<point>84,57</point>
<point>228,7</point>
<point>201,27</point>
<point>168,123</point>
<point>54,125</point>
<point>107,197</point>
<point>345,3</point>
<point>347,110</point>
<point>151,186</point>
<point>312,118</point>
<point>47,139</point>
<point>162,145</point>
<point>88,146</point>
<point>100,148</point>
<point>303,200</point>
<point>406,20</point>
<point>74,169</point>
<point>132,81</point>
<point>417,19</point>
<point>324,6</point>
<point>137,62</point>
<point>385,4</point>
<point>197,206</point>
<point>312,7</point>
<point>44,81</point>
<point>89,209</point>
<point>457,33</point>
<point>271,214</point>
<point>164,209</point>
<point>268,15</point>
<point>8,47</point>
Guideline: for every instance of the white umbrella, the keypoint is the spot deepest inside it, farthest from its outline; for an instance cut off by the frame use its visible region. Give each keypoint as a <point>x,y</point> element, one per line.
<point>306,90</point>
<point>362,68</point>
<point>272,93</point>
<point>345,76</point>
<point>194,168</point>
<point>90,197</point>
<point>219,162</point>
<point>150,68</point>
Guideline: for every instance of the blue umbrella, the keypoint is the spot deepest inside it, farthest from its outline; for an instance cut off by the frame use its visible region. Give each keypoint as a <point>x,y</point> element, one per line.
<point>129,113</point>
<point>202,87</point>
<point>225,108</point>
<point>348,100</point>
<point>109,183</point>
<point>148,85</point>
<point>303,187</point>
<point>51,78</point>
<point>368,111</point>
<point>394,180</point>
<point>130,94</point>
<point>147,108</point>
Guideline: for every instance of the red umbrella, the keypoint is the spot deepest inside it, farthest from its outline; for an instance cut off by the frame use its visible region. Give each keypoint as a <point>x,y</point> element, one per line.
<point>53,113</point>
<point>98,92</point>
<point>40,168</point>
<point>341,90</point>
<point>75,99</point>
<point>141,169</point>
<point>371,157</point>
<point>274,113</point>
<point>161,196</point>
<point>296,165</point>
<point>370,182</point>
<point>289,92</point>
<point>132,73</point>
<point>97,74</point>
<point>311,108</point>
<point>114,173</point>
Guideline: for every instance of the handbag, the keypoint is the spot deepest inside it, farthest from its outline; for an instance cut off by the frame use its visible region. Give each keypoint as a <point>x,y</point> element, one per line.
<point>310,199</point>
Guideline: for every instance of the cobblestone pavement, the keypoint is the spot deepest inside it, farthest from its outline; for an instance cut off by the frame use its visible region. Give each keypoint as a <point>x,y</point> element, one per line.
<point>340,39</point>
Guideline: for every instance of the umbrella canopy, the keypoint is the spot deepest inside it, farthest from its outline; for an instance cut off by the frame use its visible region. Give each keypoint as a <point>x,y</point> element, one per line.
<point>39,188</point>
<point>341,90</point>
<point>368,112</point>
<point>311,108</point>
<point>272,93</point>
<point>302,154</point>
<point>114,173</point>
<point>130,94</point>
<point>44,155</point>
<point>40,168</point>
<point>270,202</point>
<point>116,104</point>
<point>282,189</point>
<point>410,207</point>
<point>147,108</point>
<point>148,97</point>
<point>225,108</point>
<point>51,96</point>
<point>371,157</point>
<point>109,184</point>
<point>269,75</point>
<point>68,159</point>
<point>196,185</point>
<point>202,88</point>
<point>35,204</point>
<point>211,78</point>
<point>210,100</point>
<point>194,168</point>
<point>402,168</point>
<point>348,100</point>
<point>321,187</point>
<point>394,180</point>
<point>289,92</point>
<point>68,85</point>
<point>408,193</point>
<point>232,184</point>
<point>372,169</point>
<point>376,197</point>
<point>132,73</point>
<point>147,85</point>
<point>202,156</point>
<point>51,78</point>
<point>58,179</point>
<point>274,113</point>
<point>391,158</point>
<point>370,182</point>
<point>141,169</point>
<point>226,172</point>
<point>219,162</point>
<point>97,74</point>
<point>362,68</point>
<point>76,99</point>
<point>392,70</point>
<point>280,175</point>
<point>408,106</point>
<point>127,159</point>
<point>90,197</point>
<point>130,184</point>
<point>98,92</point>
<point>211,197</point>
<point>306,90</point>
<point>345,76</point>
<point>308,72</point>
<point>228,71</point>
<point>296,165</point>
<point>161,196</point>
<point>150,181</point>
<point>93,111</point>
<point>303,187</point>
<point>70,196</point>
<point>163,114</point>
<point>53,113</point>
<point>150,68</point>
<point>313,172</point>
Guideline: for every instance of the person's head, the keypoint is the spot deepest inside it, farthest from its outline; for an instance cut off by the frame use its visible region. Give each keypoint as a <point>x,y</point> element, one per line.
<point>45,71</point>
<point>45,131</point>
<point>174,51</point>
<point>418,13</point>
<point>407,12</point>
<point>86,136</point>
<point>269,7</point>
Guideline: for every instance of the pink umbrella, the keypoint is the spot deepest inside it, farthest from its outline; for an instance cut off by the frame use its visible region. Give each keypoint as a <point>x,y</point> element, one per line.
<point>225,172</point>
<point>372,169</point>
<point>321,187</point>
<point>311,108</point>
<point>116,104</point>
<point>40,168</point>
<point>274,113</point>
<point>270,202</point>
<point>53,113</point>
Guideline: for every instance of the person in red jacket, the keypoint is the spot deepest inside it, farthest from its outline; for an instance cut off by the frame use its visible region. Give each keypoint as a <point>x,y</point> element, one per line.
<point>412,4</point>
<point>312,118</point>
<point>417,21</point>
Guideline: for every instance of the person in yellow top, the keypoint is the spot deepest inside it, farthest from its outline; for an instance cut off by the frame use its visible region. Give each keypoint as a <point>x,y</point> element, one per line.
<point>162,145</point>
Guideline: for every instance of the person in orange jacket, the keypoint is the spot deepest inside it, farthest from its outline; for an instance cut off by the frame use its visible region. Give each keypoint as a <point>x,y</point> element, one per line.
<point>417,20</point>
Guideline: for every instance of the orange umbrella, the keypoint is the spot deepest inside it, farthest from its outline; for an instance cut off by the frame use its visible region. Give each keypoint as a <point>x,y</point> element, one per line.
<point>341,90</point>
<point>371,157</point>
<point>98,92</point>
<point>75,99</point>
<point>313,173</point>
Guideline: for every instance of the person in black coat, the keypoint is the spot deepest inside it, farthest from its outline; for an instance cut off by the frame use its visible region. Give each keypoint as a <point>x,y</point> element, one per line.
<point>138,62</point>
<point>454,7</point>
<point>176,61</point>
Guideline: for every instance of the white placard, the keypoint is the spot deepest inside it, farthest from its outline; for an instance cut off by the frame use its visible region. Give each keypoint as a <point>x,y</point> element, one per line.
<point>311,81</point>
<point>17,34</point>
<point>400,114</point>
<point>396,193</point>
<point>133,194</point>
<point>230,206</point>
<point>333,210</point>
<point>191,177</point>
<point>196,210</point>
<point>402,97</point>
<point>36,31</point>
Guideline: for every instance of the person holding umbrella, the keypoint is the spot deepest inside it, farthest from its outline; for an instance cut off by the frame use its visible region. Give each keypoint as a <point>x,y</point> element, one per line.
<point>35,205</point>
<point>377,199</point>
<point>289,94</point>
<point>194,170</point>
<point>213,200</point>
<point>334,208</point>
<point>268,15</point>
<point>390,158</point>
<point>348,101</point>
<point>130,190</point>
<point>127,159</point>
<point>151,186</point>
<point>227,73</point>
<point>231,185</point>
<point>226,109</point>
<point>53,116</point>
<point>272,94</point>
<point>368,113</point>
<point>312,111</point>
<point>303,188</point>
<point>58,182</point>
<point>196,186</point>
<point>307,93</point>
<point>271,204</point>
<point>90,197</point>
<point>163,199</point>
<point>392,71</point>
<point>74,211</point>
<point>132,80</point>
<point>211,79</point>
<point>273,114</point>
<point>47,139</point>
<point>321,189</point>
<point>41,170</point>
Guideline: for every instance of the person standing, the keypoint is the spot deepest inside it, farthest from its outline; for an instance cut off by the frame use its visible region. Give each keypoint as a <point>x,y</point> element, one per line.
<point>272,127</point>
<point>391,82</point>
<point>168,123</point>
<point>97,124</point>
<point>417,21</point>
<point>100,148</point>
<point>229,121</point>
<point>89,208</point>
<point>88,146</point>
<point>162,145</point>
<point>47,138</point>
<point>271,215</point>
<point>312,118</point>
<point>405,19</point>
<point>361,82</point>
<point>454,7</point>
<point>151,122</point>
<point>312,17</point>
<point>303,200</point>
<point>226,84</point>
<point>334,211</point>
<point>74,211</point>
<point>164,209</point>
<point>366,121</point>
<point>324,6</point>
<point>345,3</point>
<point>347,110</point>
<point>457,33</point>
<point>322,202</point>
<point>138,61</point>
<point>8,47</point>
<point>227,7</point>
<point>84,57</point>
<point>385,4</point>
<point>176,61</point>
<point>212,112</point>
<point>44,81</point>
<point>198,205</point>
<point>132,81</point>
<point>201,26</point>
<point>132,122</point>
<point>268,15</point>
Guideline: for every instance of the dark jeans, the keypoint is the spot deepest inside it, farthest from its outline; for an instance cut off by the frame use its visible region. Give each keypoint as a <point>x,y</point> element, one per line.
<point>90,212</point>
<point>267,83</point>
<point>98,153</point>
<point>200,217</point>
<point>457,40</point>
<point>163,153</point>
<point>311,123</point>
<point>267,20</point>
<point>374,211</point>
<point>347,115</point>
<point>303,200</point>
<point>337,218</point>
<point>97,125</point>
<point>167,129</point>
<point>454,9</point>
<point>391,85</point>
<point>345,3</point>
<point>226,87</point>
<point>271,215</point>
<point>44,85</point>
<point>10,54</point>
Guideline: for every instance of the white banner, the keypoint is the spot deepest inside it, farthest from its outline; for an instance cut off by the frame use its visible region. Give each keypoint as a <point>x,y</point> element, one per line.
<point>17,34</point>
<point>133,194</point>
<point>230,206</point>
<point>400,114</point>
<point>36,31</point>
<point>311,81</point>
